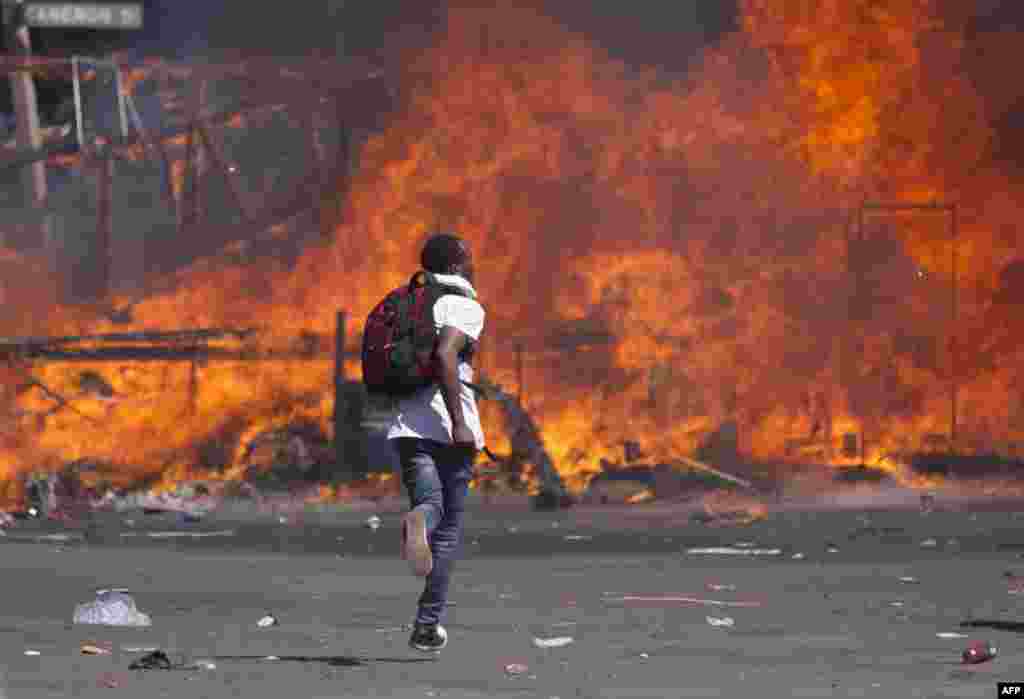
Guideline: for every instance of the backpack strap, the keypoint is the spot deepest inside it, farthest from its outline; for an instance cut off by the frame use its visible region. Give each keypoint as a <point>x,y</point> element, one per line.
<point>425,278</point>
<point>422,278</point>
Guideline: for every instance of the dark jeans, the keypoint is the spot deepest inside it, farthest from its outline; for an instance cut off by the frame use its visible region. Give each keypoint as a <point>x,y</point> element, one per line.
<point>436,477</point>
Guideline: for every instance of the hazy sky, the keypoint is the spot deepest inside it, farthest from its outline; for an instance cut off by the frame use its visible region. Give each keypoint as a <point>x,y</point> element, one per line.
<point>663,33</point>
<point>648,32</point>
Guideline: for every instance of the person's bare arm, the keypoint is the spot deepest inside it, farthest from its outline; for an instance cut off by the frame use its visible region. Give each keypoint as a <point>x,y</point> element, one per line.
<point>451,342</point>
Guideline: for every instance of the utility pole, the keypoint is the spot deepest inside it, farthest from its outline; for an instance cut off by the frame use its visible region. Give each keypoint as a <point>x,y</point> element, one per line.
<point>954,362</point>
<point>18,43</point>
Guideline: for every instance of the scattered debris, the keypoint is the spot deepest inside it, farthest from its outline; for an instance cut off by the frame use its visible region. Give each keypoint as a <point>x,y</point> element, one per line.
<point>979,652</point>
<point>896,604</point>
<point>716,587</point>
<point>578,537</point>
<point>157,660</point>
<point>870,530</point>
<point>271,657</point>
<point>683,599</point>
<point>726,550</point>
<point>862,474</point>
<point>108,680</point>
<point>950,634</point>
<point>929,544</point>
<point>701,466</point>
<point>831,549</point>
<point>187,501</point>
<point>516,669</point>
<point>373,523</point>
<point>32,652</point>
<point>798,556</point>
<point>268,620</point>
<point>909,580</point>
<point>927,503</point>
<point>90,649</point>
<point>111,608</point>
<point>204,665</point>
<point>181,535</point>
<point>726,621</point>
<point>725,517</point>
<point>557,642</point>
<point>296,454</point>
<point>60,538</point>
<point>139,649</point>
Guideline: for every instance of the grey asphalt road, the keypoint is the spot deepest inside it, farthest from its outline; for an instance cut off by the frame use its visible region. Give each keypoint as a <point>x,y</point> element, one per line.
<point>826,616</point>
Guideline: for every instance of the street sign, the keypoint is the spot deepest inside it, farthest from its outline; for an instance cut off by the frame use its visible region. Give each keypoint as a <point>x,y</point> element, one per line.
<point>83,15</point>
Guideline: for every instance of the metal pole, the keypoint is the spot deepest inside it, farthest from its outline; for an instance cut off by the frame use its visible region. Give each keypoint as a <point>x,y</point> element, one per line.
<point>341,321</point>
<point>954,387</point>
<point>185,196</point>
<point>26,108</point>
<point>198,203</point>
<point>156,149</point>
<point>121,105</point>
<point>858,298</point>
<point>79,128</point>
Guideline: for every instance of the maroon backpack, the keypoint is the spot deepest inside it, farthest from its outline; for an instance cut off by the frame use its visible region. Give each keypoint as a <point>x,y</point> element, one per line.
<point>400,338</point>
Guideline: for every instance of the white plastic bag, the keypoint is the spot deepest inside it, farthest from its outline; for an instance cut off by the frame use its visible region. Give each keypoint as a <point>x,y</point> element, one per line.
<point>111,608</point>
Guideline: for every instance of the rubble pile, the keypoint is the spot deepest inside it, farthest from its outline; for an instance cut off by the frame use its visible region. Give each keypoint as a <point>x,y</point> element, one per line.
<point>295,453</point>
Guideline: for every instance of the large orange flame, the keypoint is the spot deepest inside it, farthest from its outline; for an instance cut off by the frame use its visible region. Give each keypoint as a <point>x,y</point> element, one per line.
<point>673,251</point>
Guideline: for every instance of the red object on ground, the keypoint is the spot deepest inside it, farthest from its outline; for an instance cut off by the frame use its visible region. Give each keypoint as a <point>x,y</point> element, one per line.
<point>979,652</point>
<point>108,681</point>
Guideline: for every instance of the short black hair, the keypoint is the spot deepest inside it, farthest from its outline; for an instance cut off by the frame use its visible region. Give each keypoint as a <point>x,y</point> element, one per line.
<point>442,252</point>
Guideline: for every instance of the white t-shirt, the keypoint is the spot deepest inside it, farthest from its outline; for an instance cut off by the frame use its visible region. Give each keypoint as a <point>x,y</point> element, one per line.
<point>424,415</point>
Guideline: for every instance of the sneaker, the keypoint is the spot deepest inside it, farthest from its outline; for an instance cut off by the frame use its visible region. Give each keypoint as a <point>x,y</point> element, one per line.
<point>415,547</point>
<point>428,638</point>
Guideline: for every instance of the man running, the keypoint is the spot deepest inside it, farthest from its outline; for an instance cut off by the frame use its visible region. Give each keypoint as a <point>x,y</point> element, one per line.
<point>437,434</point>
